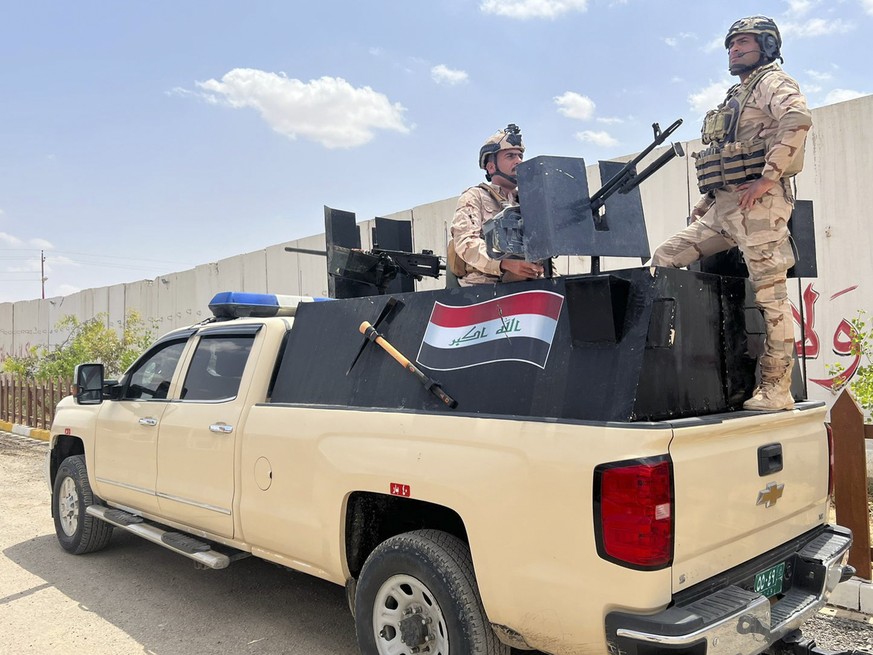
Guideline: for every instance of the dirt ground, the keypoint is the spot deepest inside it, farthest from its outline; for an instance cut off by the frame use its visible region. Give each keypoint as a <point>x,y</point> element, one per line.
<point>136,597</point>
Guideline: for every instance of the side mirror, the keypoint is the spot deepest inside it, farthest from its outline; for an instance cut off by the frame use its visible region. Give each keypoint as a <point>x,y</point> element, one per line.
<point>88,384</point>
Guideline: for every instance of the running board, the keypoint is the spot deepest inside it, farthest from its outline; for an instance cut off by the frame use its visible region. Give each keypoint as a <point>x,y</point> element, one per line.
<point>185,545</point>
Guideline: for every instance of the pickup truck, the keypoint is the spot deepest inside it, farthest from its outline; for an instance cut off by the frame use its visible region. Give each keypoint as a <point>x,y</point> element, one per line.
<point>594,485</point>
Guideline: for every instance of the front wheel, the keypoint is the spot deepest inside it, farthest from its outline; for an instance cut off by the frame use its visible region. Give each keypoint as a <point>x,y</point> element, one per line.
<point>77,531</point>
<point>417,593</point>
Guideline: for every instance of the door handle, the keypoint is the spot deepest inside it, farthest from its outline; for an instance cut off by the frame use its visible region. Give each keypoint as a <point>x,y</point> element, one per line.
<point>221,428</point>
<point>149,421</point>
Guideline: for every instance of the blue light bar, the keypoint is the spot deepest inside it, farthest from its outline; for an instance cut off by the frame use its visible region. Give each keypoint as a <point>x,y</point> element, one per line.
<point>235,304</point>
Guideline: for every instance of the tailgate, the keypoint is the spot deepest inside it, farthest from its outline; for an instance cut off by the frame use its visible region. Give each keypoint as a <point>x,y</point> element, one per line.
<point>726,510</point>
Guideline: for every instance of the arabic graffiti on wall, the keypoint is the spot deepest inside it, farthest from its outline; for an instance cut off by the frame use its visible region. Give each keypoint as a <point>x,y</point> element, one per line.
<point>810,347</point>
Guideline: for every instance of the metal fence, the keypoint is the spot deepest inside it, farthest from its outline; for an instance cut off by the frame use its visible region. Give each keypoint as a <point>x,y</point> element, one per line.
<point>29,402</point>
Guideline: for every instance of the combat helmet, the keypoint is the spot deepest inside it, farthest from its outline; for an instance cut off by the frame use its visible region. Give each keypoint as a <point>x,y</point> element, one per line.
<point>766,34</point>
<point>506,139</point>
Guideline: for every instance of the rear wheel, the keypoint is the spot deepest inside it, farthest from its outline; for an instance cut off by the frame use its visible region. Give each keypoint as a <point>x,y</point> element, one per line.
<point>417,593</point>
<point>77,531</point>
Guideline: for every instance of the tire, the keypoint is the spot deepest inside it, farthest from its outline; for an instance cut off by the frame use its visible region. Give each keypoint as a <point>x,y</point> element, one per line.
<point>77,532</point>
<point>418,590</point>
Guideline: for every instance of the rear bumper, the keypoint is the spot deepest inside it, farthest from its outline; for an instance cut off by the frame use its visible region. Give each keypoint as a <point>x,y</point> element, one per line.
<point>732,620</point>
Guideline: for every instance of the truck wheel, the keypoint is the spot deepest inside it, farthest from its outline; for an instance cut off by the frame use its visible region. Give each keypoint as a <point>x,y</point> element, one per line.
<point>77,532</point>
<point>417,593</point>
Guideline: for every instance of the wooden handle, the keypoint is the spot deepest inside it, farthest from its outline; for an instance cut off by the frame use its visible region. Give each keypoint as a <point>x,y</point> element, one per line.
<point>370,332</point>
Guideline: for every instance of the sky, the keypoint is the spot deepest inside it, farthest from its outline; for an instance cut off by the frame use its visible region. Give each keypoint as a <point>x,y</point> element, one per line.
<point>142,138</point>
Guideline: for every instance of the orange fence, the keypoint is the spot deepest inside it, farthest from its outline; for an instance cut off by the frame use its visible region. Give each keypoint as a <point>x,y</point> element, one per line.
<point>850,478</point>
<point>28,402</point>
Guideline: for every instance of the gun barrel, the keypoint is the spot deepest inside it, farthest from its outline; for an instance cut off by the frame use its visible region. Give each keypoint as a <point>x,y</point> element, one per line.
<point>306,251</point>
<point>619,178</point>
<point>676,150</point>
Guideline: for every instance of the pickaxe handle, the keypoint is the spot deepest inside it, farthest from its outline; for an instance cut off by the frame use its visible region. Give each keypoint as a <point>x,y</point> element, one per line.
<point>434,387</point>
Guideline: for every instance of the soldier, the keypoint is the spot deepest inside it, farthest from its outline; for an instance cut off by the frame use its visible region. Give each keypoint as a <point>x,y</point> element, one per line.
<point>756,139</point>
<point>468,257</point>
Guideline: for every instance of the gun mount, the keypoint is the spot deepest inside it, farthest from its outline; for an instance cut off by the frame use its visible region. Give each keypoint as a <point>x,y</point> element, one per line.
<point>354,272</point>
<point>556,216</point>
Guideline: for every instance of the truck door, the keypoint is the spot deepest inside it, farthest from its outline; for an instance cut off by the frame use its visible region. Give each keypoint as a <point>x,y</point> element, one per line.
<point>199,436</point>
<point>125,444</point>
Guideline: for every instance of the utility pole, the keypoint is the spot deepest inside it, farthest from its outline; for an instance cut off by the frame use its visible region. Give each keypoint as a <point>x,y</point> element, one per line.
<point>42,276</point>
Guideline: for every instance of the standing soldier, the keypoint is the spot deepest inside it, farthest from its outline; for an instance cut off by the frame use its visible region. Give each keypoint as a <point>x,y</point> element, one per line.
<point>468,256</point>
<point>756,139</point>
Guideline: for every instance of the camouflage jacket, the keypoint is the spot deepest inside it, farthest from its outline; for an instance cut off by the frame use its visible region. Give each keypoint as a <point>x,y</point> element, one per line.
<point>475,207</point>
<point>776,112</point>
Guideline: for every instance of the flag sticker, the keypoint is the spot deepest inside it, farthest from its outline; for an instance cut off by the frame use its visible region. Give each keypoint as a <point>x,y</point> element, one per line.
<point>515,328</point>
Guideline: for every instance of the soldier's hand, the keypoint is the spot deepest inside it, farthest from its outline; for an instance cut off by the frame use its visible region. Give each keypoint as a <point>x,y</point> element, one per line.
<point>521,268</point>
<point>751,192</point>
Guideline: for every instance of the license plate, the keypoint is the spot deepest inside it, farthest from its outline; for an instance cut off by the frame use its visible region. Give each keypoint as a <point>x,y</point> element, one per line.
<point>769,582</point>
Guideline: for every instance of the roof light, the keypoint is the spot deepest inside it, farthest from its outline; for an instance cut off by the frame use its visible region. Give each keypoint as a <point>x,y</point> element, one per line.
<point>234,304</point>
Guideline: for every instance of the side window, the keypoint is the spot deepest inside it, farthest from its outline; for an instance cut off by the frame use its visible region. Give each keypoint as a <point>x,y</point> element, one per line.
<point>217,367</point>
<point>150,380</point>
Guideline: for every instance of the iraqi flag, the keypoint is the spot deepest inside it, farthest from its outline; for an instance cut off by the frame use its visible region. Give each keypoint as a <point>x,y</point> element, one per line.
<point>515,328</point>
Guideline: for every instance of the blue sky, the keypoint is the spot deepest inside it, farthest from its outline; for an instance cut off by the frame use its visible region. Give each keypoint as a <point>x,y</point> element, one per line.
<point>141,138</point>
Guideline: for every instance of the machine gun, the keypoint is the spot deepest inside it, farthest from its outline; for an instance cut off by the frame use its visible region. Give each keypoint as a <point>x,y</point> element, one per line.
<point>556,216</point>
<point>376,268</point>
<point>389,267</point>
<point>627,178</point>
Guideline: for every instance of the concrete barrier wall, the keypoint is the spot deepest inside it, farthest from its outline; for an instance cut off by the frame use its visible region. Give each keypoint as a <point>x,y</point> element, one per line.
<point>838,168</point>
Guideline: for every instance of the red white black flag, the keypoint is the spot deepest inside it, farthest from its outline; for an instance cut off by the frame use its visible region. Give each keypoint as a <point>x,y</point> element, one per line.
<point>519,327</point>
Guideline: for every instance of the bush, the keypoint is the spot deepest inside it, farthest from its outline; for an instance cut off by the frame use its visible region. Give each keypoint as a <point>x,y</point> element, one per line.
<point>88,341</point>
<point>861,383</point>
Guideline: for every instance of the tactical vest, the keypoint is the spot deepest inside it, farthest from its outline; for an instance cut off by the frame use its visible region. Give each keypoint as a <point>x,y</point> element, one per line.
<point>728,161</point>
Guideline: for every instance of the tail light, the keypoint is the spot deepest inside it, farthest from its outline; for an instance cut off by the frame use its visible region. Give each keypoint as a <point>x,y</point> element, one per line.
<point>830,460</point>
<point>633,512</point>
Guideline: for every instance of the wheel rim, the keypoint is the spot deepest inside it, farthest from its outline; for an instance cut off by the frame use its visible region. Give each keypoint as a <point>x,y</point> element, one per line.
<point>407,616</point>
<point>68,507</point>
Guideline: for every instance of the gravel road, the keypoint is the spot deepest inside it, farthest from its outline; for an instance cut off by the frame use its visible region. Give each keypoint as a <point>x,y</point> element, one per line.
<point>135,597</point>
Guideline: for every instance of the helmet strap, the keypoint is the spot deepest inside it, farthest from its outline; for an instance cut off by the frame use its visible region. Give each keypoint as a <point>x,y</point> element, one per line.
<point>497,171</point>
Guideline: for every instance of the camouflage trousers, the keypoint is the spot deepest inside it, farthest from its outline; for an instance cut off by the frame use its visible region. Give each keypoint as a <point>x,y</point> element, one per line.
<point>761,234</point>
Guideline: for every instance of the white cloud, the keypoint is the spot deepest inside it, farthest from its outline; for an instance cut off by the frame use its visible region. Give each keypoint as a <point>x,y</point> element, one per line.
<point>59,260</point>
<point>42,244</point>
<point>815,27</point>
<point>602,139</point>
<point>66,290</point>
<point>575,105</point>
<point>801,7</point>
<point>673,41</point>
<point>709,97</point>
<point>818,75</point>
<point>610,120</point>
<point>867,5</point>
<point>329,110</point>
<point>444,75</point>
<point>532,8</point>
<point>9,240</point>
<point>717,43</point>
<point>811,88</point>
<point>841,95</point>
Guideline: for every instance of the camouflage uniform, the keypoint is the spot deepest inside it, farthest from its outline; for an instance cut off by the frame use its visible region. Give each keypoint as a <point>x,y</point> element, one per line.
<point>475,207</point>
<point>776,112</point>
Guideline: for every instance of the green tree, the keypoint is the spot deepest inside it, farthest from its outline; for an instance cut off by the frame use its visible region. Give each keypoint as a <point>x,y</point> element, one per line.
<point>87,341</point>
<point>861,383</point>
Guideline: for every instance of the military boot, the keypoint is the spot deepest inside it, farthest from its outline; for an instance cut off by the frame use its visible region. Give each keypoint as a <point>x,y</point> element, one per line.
<point>774,392</point>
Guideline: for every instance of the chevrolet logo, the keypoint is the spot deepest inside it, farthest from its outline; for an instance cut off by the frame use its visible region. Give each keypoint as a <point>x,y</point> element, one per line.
<point>770,495</point>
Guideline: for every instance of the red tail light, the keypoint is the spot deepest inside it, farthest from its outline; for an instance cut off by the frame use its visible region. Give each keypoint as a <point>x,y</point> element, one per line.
<point>634,512</point>
<point>830,460</point>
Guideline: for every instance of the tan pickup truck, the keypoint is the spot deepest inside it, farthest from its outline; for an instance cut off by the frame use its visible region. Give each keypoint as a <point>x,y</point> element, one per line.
<point>542,512</point>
